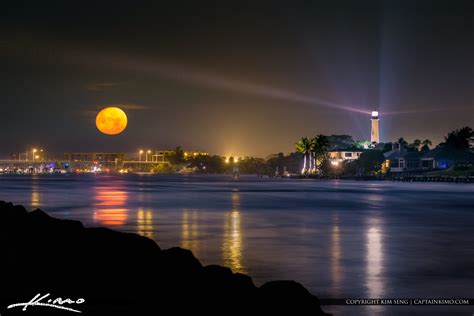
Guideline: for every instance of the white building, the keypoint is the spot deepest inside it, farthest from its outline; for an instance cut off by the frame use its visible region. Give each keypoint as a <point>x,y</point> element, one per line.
<point>338,156</point>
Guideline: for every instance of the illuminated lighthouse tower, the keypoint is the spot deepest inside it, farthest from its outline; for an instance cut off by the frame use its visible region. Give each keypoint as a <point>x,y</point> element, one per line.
<point>374,133</point>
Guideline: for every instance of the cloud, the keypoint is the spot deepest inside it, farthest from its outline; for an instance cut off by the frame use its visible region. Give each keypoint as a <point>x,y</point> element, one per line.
<point>89,113</point>
<point>101,86</point>
<point>133,106</point>
<point>126,106</point>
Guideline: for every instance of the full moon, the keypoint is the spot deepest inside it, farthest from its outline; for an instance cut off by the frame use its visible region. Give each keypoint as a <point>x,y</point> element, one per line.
<point>111,120</point>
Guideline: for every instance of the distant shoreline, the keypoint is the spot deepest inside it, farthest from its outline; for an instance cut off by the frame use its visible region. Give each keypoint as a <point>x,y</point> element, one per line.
<point>407,178</point>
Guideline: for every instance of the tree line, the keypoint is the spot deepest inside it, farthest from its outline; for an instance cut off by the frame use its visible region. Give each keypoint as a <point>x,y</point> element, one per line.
<point>311,157</point>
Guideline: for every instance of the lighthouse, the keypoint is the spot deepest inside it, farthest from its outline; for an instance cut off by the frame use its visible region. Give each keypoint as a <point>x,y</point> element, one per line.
<point>374,133</point>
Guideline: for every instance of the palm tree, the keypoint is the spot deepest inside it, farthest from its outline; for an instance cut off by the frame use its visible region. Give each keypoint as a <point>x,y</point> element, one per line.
<point>321,145</point>
<point>460,138</point>
<point>426,145</point>
<point>416,144</point>
<point>402,142</point>
<point>305,147</point>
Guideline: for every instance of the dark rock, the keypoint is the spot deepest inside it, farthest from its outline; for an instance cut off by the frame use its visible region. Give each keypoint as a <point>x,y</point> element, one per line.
<point>121,273</point>
<point>289,296</point>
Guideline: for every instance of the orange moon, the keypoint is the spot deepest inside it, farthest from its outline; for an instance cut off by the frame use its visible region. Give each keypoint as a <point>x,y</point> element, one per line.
<point>111,120</point>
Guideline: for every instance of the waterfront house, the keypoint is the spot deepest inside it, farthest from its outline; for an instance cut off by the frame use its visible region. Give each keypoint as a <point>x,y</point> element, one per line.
<point>445,157</point>
<point>338,156</point>
<point>395,158</point>
<point>399,159</point>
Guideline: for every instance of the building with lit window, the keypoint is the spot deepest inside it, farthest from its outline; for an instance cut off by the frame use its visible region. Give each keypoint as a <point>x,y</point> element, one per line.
<point>399,159</point>
<point>188,154</point>
<point>101,157</point>
<point>338,156</point>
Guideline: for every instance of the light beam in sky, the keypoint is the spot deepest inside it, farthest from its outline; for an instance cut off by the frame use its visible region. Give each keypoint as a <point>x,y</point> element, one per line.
<point>199,78</point>
<point>219,82</point>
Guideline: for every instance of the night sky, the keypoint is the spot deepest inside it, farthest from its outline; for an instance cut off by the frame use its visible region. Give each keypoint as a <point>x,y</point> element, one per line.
<point>241,78</point>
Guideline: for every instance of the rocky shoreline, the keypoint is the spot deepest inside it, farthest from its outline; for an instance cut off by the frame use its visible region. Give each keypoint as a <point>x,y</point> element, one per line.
<point>123,273</point>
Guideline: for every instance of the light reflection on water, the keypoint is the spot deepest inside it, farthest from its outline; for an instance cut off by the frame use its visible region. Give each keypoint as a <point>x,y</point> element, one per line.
<point>190,231</point>
<point>145,225</point>
<point>35,197</point>
<point>232,245</point>
<point>374,252</point>
<point>35,193</point>
<point>110,205</point>
<point>374,259</point>
<point>336,252</point>
<point>360,239</point>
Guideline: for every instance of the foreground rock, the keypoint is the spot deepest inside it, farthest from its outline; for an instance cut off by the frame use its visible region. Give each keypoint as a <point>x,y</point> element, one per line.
<point>121,273</point>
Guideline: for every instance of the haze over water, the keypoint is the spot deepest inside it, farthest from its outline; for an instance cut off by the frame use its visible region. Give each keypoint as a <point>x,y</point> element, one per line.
<point>340,239</point>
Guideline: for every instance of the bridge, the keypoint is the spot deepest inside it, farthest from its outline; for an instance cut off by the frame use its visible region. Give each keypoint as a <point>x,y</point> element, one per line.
<point>64,164</point>
<point>30,164</point>
<point>4,162</point>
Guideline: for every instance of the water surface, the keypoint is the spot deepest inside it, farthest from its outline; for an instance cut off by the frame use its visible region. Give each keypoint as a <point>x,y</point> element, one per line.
<point>338,238</point>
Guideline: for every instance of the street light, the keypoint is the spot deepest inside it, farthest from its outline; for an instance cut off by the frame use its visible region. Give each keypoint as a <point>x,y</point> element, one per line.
<point>140,155</point>
<point>34,151</point>
<point>147,153</point>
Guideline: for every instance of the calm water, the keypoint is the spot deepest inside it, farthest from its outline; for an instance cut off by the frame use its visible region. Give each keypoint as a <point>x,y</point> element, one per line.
<point>339,238</point>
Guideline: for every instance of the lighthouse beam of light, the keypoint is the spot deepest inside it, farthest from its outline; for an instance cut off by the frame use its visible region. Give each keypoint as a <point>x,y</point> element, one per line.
<point>44,46</point>
<point>219,82</point>
<point>87,57</point>
<point>198,78</point>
